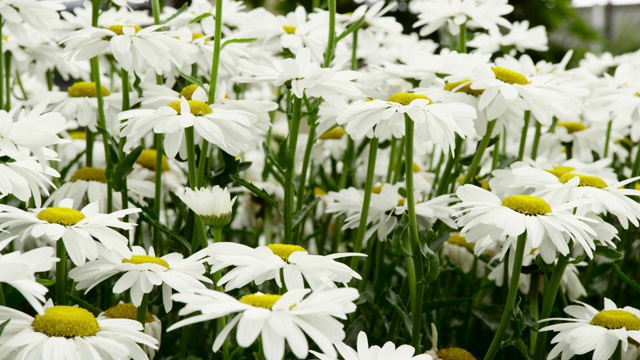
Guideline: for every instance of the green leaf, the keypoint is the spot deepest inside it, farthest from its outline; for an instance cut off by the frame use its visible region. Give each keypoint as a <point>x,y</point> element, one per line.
<point>124,167</point>
<point>65,170</point>
<point>276,164</point>
<point>626,279</point>
<point>85,304</point>
<point>353,27</point>
<point>46,282</point>
<point>297,218</point>
<point>283,154</point>
<point>397,304</point>
<point>190,79</point>
<point>237,41</point>
<point>608,252</point>
<point>261,193</point>
<point>152,218</point>
<point>182,9</point>
<point>199,18</point>
<point>3,325</point>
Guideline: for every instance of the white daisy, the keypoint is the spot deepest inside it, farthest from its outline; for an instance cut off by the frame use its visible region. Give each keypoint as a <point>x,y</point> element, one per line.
<point>25,178</point>
<point>592,330</point>
<point>364,352</point>
<point>275,318</point>
<point>77,229</point>
<point>152,325</point>
<point>266,262</point>
<point>214,204</point>
<point>67,332</point>
<point>38,14</point>
<point>144,171</point>
<point>520,38</point>
<point>477,14</point>
<point>141,272</point>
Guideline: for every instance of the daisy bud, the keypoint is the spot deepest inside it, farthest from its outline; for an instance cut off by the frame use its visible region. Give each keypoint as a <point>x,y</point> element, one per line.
<point>214,205</point>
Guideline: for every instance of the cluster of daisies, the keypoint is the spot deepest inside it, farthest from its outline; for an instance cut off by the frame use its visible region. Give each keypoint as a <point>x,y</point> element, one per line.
<point>311,182</point>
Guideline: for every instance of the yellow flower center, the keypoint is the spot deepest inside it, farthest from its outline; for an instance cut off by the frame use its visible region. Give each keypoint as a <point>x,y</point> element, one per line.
<point>61,216</point>
<point>90,174</point>
<point>66,321</point>
<point>464,89</point>
<point>78,135</point>
<point>289,29</point>
<point>509,76</point>
<point>146,259</point>
<point>455,354</point>
<point>118,28</point>
<point>527,204</point>
<point>318,191</point>
<point>457,239</point>
<point>197,107</point>
<point>616,319</point>
<point>416,168</point>
<point>126,311</point>
<point>377,189</point>
<point>558,171</point>
<point>585,180</point>
<point>187,92</point>
<point>86,89</point>
<point>405,98</point>
<point>285,250</point>
<point>195,36</point>
<point>572,126</point>
<point>147,159</point>
<point>260,300</point>
<point>333,134</point>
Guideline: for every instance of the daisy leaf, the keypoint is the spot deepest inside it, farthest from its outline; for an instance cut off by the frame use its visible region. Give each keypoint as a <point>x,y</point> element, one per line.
<point>353,27</point>
<point>261,193</point>
<point>3,325</point>
<point>237,41</point>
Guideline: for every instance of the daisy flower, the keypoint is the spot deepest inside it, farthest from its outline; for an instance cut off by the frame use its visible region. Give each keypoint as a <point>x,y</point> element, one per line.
<point>141,272</point>
<point>68,332</point>
<point>520,38</point>
<point>364,352</point>
<point>77,229</point>
<point>152,325</point>
<point>214,204</point>
<point>434,14</point>
<point>265,262</point>
<point>25,178</point>
<point>275,318</point>
<point>38,14</point>
<point>592,330</point>
<point>144,169</point>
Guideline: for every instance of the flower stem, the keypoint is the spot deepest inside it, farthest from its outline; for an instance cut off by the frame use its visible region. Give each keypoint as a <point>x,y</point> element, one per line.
<point>1,64</point>
<point>157,10</point>
<point>536,141</point>
<point>305,165</point>
<point>548,301</point>
<point>124,76</point>
<point>511,298</point>
<point>523,136</point>
<point>364,213</point>
<point>89,147</point>
<point>606,140</point>
<point>199,233</point>
<point>216,52</point>
<point>141,314</point>
<point>354,51</point>
<point>157,201</point>
<point>61,273</point>
<point>7,77</point>
<point>347,160</point>
<point>534,308</point>
<point>294,127</point>
<point>462,39</point>
<point>471,171</point>
<point>222,321</point>
<point>328,55</point>
<point>452,159</point>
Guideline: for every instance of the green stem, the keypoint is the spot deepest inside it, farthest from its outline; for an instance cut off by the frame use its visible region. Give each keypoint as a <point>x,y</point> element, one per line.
<point>495,154</point>
<point>222,322</point>
<point>294,127</point>
<point>157,201</point>
<point>199,233</point>
<point>511,298</point>
<point>397,162</point>
<point>392,155</point>
<point>617,355</point>
<point>415,287</point>
<point>124,76</point>
<point>1,64</point>
<point>606,140</point>
<point>89,147</point>
<point>523,136</point>
<point>157,10</point>
<point>462,39</point>
<point>7,78</point>
<point>354,51</point>
<point>452,159</point>
<point>202,163</point>
<point>141,314</point>
<point>536,141</point>
<point>328,55</point>
<point>25,96</point>
<point>102,127</point>
<point>534,310</point>
<point>61,273</point>
<point>364,213</point>
<point>347,160</point>
<point>547,303</point>
<point>216,52</point>
<point>305,165</point>
<point>471,171</point>
<point>636,163</point>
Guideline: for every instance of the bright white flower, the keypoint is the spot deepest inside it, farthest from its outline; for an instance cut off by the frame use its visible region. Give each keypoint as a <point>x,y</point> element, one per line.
<point>275,318</point>
<point>433,14</point>
<point>592,330</point>
<point>364,352</point>
<point>585,139</point>
<point>141,272</point>
<point>67,332</point>
<point>520,38</point>
<point>17,269</point>
<point>214,204</point>
<point>266,262</point>
<point>77,229</point>
<point>39,14</point>
<point>460,253</point>
<point>152,325</point>
<point>144,171</point>
<point>26,178</point>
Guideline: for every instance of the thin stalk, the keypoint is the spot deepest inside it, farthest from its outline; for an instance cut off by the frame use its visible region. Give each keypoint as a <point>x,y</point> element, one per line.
<point>124,193</point>
<point>523,136</point>
<point>328,55</point>
<point>471,171</point>
<point>636,164</point>
<point>88,134</point>
<point>536,141</point>
<point>49,78</point>
<point>216,52</point>
<point>534,310</point>
<point>157,201</point>
<point>7,79</point>
<point>199,233</point>
<point>547,303</point>
<point>364,213</point>
<point>462,38</point>
<point>294,128</point>
<point>415,288</point>
<point>141,313</point>
<point>495,155</point>
<point>606,140</point>
<point>511,298</point>
<point>392,154</point>
<point>354,51</point>
<point>347,160</point>
<point>305,165</point>
<point>157,10</point>
<point>222,321</point>
<point>1,64</point>
<point>25,96</point>
<point>452,159</point>
<point>202,162</point>
<point>102,124</point>
<point>397,162</point>
<point>61,273</point>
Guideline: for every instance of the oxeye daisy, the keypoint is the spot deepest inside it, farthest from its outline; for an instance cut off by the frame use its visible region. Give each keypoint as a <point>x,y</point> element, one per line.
<point>485,219</point>
<point>214,204</point>
<point>266,262</point>
<point>24,177</point>
<point>275,318</point>
<point>141,272</point>
<point>144,169</point>
<point>364,352</point>
<point>477,14</point>
<point>77,229</point>
<point>152,325</point>
<point>68,332</point>
<point>437,123</point>
<point>460,253</point>
<point>592,330</point>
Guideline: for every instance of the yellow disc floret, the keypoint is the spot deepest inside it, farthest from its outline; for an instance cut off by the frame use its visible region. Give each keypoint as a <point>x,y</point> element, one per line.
<point>585,180</point>
<point>260,300</point>
<point>457,239</point>
<point>333,134</point>
<point>90,174</point>
<point>146,259</point>
<point>187,92</point>
<point>377,189</point>
<point>527,204</point>
<point>572,126</point>
<point>616,319</point>
<point>197,107</point>
<point>147,159</point>
<point>85,89</point>
<point>289,29</point>
<point>466,88</point>
<point>285,250</point>
<point>126,311</point>
<point>455,354</point>
<point>509,76</point>
<point>78,135</point>
<point>118,28</point>
<point>558,171</point>
<point>318,191</point>
<point>61,216</point>
<point>66,321</point>
<point>405,98</point>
